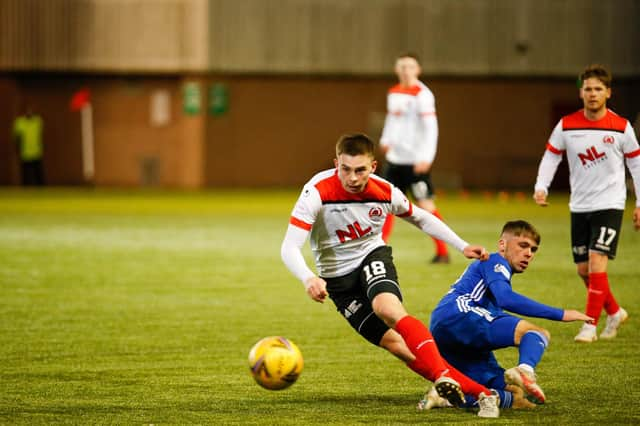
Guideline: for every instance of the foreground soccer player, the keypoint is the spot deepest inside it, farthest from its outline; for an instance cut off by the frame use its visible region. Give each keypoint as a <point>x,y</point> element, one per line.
<point>597,142</point>
<point>470,321</point>
<point>343,210</point>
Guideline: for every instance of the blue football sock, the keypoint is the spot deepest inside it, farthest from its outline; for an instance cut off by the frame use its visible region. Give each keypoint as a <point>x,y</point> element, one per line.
<point>532,346</point>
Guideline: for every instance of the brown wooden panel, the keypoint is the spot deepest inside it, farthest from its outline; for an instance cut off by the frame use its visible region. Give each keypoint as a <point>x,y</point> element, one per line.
<point>278,131</point>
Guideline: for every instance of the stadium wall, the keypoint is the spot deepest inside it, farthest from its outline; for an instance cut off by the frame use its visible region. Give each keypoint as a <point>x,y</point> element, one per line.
<point>298,74</point>
<point>278,130</point>
<point>130,150</point>
<point>462,37</point>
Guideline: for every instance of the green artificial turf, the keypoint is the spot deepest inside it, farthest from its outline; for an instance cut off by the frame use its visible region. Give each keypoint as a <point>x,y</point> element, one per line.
<point>140,307</point>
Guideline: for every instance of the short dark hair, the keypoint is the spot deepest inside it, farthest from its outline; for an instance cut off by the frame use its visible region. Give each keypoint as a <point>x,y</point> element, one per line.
<point>521,228</point>
<point>355,144</point>
<point>596,71</point>
<point>411,55</point>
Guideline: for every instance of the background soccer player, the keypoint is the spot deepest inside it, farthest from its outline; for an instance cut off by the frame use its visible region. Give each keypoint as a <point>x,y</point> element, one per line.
<point>409,142</point>
<point>470,321</point>
<point>597,142</point>
<point>343,211</point>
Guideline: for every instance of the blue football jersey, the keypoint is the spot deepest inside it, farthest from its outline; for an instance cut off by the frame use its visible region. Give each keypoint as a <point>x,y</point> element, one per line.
<point>485,289</point>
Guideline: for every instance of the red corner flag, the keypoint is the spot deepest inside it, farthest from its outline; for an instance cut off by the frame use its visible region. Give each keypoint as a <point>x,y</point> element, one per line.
<point>79,99</point>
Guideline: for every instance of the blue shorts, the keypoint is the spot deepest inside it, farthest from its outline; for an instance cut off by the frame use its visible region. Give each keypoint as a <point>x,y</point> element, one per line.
<point>466,340</point>
<point>477,329</point>
<point>479,366</point>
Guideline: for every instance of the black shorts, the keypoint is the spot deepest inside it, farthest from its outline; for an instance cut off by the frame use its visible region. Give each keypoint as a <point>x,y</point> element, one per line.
<point>405,179</point>
<point>595,231</point>
<point>352,293</point>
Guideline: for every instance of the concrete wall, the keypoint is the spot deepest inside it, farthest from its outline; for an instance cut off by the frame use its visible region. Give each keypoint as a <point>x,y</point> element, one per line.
<point>454,37</point>
<point>104,35</point>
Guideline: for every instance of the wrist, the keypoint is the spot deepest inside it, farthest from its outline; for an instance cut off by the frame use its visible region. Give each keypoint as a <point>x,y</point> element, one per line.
<point>541,189</point>
<point>308,281</point>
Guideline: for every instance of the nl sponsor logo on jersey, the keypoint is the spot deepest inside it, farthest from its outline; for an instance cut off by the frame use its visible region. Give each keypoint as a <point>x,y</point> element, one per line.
<point>591,157</point>
<point>353,232</point>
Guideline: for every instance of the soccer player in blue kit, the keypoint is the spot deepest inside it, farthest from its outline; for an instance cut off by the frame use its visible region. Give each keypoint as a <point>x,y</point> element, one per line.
<point>470,321</point>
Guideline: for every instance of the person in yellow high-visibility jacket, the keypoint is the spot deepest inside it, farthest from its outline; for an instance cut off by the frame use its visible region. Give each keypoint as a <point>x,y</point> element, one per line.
<point>27,133</point>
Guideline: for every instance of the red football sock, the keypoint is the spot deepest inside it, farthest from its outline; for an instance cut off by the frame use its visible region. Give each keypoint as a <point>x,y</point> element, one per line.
<point>597,294</point>
<point>468,386</point>
<point>420,367</point>
<point>441,246</point>
<point>387,227</point>
<point>429,364</point>
<point>610,304</point>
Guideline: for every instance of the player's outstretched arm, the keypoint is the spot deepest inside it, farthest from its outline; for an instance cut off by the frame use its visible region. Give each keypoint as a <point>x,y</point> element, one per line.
<point>636,218</point>
<point>475,252</point>
<point>433,226</point>
<point>573,315</point>
<point>514,302</point>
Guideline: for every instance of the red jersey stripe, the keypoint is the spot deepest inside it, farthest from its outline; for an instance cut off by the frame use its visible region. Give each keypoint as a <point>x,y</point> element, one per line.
<point>300,224</point>
<point>554,149</point>
<point>611,121</point>
<point>424,114</point>
<point>632,154</point>
<point>331,191</point>
<point>412,90</point>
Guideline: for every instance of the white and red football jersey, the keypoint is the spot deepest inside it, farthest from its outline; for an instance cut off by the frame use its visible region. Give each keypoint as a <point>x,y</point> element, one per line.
<point>596,152</point>
<point>411,127</point>
<point>345,227</point>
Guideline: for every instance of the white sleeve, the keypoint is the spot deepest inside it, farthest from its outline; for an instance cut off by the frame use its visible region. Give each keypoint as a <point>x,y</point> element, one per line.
<point>291,253</point>
<point>632,158</point>
<point>551,159</point>
<point>389,130</point>
<point>547,170</point>
<point>556,140</point>
<point>428,223</point>
<point>429,146</point>
<point>634,168</point>
<point>435,227</point>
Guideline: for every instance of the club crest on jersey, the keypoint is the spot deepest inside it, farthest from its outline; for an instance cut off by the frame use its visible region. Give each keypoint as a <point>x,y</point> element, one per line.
<point>501,269</point>
<point>608,139</point>
<point>375,212</point>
